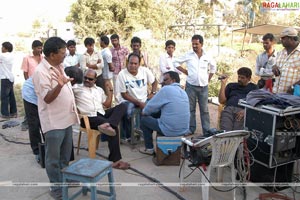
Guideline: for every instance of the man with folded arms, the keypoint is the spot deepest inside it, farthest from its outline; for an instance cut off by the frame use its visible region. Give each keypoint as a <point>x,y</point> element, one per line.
<point>90,100</point>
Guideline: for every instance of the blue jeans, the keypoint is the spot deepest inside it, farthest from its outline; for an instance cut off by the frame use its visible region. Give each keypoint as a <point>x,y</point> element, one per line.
<point>8,100</point>
<point>148,125</point>
<point>126,124</point>
<point>201,94</point>
<point>58,145</point>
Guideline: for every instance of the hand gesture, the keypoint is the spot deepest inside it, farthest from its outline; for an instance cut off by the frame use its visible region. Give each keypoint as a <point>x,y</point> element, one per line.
<point>59,77</point>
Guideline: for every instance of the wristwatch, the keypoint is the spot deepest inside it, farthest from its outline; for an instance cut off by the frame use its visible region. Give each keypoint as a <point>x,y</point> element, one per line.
<point>153,92</point>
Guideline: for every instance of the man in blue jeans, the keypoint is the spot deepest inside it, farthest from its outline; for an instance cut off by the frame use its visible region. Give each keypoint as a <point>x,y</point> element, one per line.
<point>173,105</point>
<point>200,69</point>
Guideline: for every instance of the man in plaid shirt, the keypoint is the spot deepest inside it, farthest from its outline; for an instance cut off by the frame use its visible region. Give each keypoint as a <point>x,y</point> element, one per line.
<point>287,67</point>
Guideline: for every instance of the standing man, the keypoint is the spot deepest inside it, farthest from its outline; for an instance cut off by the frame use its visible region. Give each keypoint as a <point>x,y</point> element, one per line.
<point>232,116</point>
<point>108,68</point>
<point>8,100</point>
<point>173,104</point>
<point>200,69</point>
<point>29,64</point>
<point>119,55</point>
<point>287,66</point>
<point>72,58</point>
<point>265,62</point>
<point>57,110</point>
<point>166,59</point>
<point>32,115</point>
<point>93,60</point>
<point>136,45</point>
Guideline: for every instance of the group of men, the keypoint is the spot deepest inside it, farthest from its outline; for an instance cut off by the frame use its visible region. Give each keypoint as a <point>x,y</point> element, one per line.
<point>279,72</point>
<point>55,99</point>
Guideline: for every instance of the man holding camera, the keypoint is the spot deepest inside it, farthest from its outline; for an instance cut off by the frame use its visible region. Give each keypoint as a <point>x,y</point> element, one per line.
<point>232,116</point>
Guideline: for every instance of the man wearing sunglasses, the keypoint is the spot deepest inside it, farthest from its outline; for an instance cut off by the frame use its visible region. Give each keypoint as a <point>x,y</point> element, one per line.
<point>90,101</point>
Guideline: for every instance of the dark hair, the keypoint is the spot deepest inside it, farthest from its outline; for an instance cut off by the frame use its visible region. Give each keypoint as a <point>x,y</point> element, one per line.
<point>8,46</point>
<point>75,73</point>
<point>174,76</point>
<point>53,45</point>
<point>36,43</point>
<point>105,39</point>
<point>198,37</point>
<point>245,71</point>
<point>89,41</point>
<point>114,36</point>
<point>71,43</point>
<point>269,36</point>
<point>170,42</point>
<point>136,55</point>
<point>136,40</point>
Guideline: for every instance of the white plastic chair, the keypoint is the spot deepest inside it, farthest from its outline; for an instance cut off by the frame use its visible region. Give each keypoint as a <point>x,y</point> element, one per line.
<point>224,147</point>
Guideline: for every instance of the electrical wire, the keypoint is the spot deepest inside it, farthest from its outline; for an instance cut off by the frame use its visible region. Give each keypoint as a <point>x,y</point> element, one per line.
<point>11,141</point>
<point>131,168</point>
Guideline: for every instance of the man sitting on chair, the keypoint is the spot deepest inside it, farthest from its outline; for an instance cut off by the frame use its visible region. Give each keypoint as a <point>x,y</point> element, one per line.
<point>90,100</point>
<point>173,104</point>
<point>232,116</point>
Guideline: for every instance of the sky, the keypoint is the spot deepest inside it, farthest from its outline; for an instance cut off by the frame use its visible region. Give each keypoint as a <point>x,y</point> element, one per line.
<point>18,15</point>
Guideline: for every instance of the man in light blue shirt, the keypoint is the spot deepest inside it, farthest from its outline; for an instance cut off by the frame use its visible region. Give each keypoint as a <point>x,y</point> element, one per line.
<point>200,69</point>
<point>31,110</point>
<point>173,105</point>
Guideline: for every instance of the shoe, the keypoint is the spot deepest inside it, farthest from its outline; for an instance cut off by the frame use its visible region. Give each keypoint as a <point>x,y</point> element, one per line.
<point>138,131</point>
<point>107,129</point>
<point>4,118</point>
<point>56,194</point>
<point>24,127</point>
<point>147,151</point>
<point>15,115</point>
<point>37,158</point>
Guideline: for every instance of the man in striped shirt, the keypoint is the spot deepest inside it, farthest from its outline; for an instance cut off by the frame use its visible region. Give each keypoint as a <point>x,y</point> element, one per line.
<point>287,67</point>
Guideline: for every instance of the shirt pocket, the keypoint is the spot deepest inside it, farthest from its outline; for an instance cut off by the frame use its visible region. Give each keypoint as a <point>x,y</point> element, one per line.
<point>203,64</point>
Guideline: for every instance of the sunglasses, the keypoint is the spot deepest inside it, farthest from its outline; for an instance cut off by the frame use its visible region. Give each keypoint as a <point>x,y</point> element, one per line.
<point>88,78</point>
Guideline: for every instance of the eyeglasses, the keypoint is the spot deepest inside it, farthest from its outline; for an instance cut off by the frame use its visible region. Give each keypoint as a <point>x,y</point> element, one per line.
<point>284,37</point>
<point>88,78</point>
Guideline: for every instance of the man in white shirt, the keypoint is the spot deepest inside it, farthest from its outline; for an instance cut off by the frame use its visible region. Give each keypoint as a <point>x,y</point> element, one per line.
<point>108,68</point>
<point>132,82</point>
<point>166,59</point>
<point>8,100</point>
<point>200,69</point>
<point>90,100</point>
<point>93,60</point>
<point>72,58</point>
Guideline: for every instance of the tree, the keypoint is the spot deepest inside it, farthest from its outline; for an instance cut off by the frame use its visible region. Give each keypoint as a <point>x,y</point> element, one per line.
<point>102,17</point>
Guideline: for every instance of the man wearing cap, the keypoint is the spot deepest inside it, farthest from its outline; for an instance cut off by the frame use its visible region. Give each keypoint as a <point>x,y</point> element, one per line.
<point>287,65</point>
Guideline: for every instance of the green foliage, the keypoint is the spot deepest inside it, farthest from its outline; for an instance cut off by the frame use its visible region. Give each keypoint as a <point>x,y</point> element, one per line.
<point>102,17</point>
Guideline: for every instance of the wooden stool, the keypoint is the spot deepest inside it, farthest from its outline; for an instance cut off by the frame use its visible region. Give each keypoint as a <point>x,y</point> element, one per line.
<point>89,171</point>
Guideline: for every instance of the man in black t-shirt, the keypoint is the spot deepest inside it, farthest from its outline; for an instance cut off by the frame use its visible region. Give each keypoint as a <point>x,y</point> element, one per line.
<point>232,117</point>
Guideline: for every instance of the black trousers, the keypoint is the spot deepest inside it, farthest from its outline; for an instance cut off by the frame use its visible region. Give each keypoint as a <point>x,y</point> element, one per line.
<point>112,116</point>
<point>34,125</point>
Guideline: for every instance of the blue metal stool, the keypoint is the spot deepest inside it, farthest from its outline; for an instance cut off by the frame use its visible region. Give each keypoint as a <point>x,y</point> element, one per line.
<point>89,171</point>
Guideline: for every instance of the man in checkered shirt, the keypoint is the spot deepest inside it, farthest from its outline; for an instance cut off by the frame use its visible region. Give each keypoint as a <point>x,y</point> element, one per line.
<point>287,67</point>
